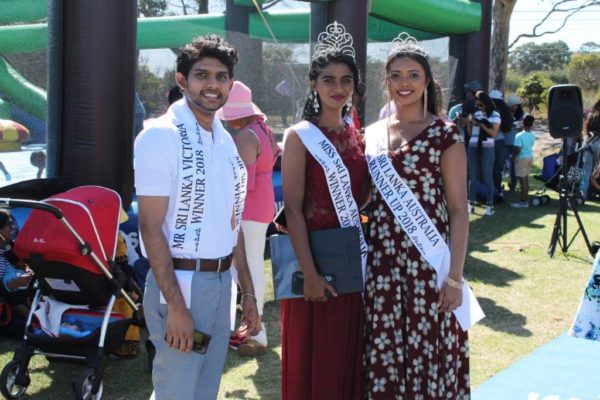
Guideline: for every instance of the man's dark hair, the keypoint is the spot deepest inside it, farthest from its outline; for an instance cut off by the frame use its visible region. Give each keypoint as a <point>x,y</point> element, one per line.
<point>528,121</point>
<point>206,46</point>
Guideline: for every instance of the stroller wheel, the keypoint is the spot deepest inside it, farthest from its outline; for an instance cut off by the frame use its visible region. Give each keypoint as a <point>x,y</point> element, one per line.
<point>83,387</point>
<point>536,201</point>
<point>545,199</point>
<point>11,385</point>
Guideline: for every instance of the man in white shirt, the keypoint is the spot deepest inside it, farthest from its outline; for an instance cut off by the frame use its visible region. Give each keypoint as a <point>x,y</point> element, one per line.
<point>191,184</point>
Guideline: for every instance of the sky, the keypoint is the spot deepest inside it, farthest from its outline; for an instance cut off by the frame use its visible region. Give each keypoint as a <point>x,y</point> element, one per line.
<point>584,26</point>
<point>580,28</point>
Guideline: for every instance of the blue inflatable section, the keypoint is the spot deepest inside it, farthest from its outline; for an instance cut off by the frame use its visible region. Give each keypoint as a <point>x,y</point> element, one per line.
<point>37,127</point>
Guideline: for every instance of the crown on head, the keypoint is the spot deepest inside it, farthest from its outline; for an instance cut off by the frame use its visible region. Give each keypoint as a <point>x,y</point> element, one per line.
<point>404,43</point>
<point>334,38</point>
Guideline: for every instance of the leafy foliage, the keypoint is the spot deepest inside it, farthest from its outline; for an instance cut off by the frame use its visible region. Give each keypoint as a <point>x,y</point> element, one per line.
<point>533,89</point>
<point>157,8</point>
<point>589,47</point>
<point>152,89</point>
<point>275,59</point>
<point>152,8</point>
<point>540,57</point>
<point>585,70</point>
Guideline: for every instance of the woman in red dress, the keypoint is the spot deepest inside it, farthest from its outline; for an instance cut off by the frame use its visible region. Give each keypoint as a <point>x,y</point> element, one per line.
<point>416,349</point>
<point>322,333</point>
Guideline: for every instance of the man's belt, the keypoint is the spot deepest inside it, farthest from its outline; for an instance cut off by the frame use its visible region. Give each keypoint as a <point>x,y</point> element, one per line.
<point>203,264</point>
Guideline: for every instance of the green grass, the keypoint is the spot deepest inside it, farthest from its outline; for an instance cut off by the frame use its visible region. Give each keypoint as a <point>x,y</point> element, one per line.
<point>528,297</point>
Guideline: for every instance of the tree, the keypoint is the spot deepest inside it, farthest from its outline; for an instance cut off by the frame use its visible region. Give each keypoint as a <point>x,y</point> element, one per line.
<point>152,89</point>
<point>540,57</point>
<point>501,14</point>
<point>585,70</point>
<point>157,8</point>
<point>532,90</point>
<point>275,59</point>
<point>152,8</point>
<point>590,47</point>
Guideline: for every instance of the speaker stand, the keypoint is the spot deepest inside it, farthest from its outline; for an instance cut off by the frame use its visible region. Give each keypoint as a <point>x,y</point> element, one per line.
<point>565,201</point>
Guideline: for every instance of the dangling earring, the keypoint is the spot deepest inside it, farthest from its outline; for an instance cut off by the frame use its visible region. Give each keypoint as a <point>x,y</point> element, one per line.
<point>425,104</point>
<point>349,103</point>
<point>315,102</point>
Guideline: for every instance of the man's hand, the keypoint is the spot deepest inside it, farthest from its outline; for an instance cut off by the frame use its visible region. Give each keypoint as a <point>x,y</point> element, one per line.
<point>250,315</point>
<point>180,328</point>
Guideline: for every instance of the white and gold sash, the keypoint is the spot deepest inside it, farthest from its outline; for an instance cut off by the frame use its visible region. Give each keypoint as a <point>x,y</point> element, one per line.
<point>192,188</point>
<point>338,180</point>
<point>414,220</point>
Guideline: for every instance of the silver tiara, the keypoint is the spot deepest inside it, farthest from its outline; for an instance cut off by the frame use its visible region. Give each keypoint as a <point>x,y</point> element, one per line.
<point>335,38</point>
<point>404,43</point>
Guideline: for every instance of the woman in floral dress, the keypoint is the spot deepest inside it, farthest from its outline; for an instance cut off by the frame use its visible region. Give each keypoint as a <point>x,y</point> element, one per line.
<point>415,348</point>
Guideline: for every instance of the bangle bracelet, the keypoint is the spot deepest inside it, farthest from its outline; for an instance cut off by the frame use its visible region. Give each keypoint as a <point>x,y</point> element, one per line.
<point>454,284</point>
<point>248,295</point>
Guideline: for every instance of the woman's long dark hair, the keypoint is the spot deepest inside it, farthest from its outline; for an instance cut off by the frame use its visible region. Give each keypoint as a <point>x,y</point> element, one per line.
<point>424,62</point>
<point>488,104</point>
<point>592,121</point>
<point>519,113</point>
<point>317,65</point>
<point>506,116</point>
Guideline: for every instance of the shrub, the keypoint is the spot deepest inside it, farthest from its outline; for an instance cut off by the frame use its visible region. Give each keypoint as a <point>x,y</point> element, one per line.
<point>533,89</point>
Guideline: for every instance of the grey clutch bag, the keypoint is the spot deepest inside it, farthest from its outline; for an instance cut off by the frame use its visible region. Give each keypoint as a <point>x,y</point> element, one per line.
<point>336,253</point>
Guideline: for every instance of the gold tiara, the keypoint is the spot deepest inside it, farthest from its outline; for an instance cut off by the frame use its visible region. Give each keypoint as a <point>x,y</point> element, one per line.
<point>334,38</point>
<point>405,43</point>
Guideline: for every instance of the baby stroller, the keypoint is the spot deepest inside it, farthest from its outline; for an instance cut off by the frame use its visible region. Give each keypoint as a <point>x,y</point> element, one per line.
<point>552,171</point>
<point>69,241</point>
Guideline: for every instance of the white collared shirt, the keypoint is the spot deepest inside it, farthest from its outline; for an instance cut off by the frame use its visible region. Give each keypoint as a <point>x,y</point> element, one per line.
<point>156,164</point>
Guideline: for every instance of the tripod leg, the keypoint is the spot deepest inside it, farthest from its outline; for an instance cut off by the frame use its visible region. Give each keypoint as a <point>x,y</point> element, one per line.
<point>559,233</point>
<point>555,238</point>
<point>581,228</point>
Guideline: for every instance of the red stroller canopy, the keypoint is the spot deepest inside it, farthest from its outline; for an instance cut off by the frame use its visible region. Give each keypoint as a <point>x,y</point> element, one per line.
<point>92,212</point>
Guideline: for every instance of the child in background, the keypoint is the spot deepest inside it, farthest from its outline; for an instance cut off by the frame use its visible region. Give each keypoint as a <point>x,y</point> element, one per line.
<point>38,160</point>
<point>523,150</point>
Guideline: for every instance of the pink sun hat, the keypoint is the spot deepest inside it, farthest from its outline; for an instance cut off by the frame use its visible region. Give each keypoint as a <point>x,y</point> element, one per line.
<point>239,104</point>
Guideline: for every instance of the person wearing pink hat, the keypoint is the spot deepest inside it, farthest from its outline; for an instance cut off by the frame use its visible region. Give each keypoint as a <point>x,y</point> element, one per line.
<point>258,150</point>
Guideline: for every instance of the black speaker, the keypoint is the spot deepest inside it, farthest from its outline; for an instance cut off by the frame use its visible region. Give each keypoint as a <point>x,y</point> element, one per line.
<point>565,111</point>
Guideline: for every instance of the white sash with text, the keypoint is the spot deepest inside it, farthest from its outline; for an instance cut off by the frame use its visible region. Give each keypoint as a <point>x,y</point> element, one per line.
<point>414,220</point>
<point>338,180</point>
<point>191,191</point>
